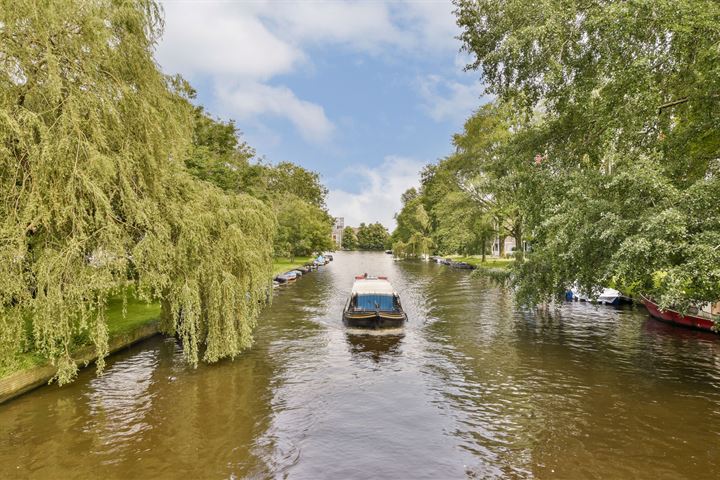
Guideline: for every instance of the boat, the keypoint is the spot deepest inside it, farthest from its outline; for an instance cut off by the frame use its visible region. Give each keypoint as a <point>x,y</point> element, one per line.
<point>373,303</point>
<point>389,252</point>
<point>704,318</point>
<point>462,265</point>
<point>608,296</point>
<point>289,277</point>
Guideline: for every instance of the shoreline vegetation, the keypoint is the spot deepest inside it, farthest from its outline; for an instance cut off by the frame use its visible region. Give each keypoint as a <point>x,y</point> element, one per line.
<point>476,261</point>
<point>595,161</point>
<point>139,321</point>
<point>115,176</point>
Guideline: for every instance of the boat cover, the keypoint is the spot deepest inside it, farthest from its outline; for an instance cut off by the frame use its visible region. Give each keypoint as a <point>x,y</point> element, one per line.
<point>371,286</point>
<point>375,302</point>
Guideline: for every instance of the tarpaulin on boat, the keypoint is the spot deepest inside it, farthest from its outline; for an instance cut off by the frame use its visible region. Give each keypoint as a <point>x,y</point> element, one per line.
<point>375,302</point>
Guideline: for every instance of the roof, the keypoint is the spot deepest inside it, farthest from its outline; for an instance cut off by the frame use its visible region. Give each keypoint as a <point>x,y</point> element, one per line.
<point>372,286</point>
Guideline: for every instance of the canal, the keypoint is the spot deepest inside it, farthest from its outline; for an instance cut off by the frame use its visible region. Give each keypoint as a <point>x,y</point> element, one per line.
<point>472,388</point>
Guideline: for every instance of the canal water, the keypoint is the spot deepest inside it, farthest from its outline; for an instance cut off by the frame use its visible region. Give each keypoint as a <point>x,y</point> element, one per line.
<point>473,387</point>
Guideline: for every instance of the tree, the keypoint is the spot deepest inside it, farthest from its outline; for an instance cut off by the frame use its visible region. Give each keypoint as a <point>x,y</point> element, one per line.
<point>219,156</point>
<point>411,237</point>
<point>349,239</point>
<point>620,100</point>
<point>287,177</point>
<point>490,171</point>
<point>372,237</point>
<point>303,228</point>
<point>93,139</point>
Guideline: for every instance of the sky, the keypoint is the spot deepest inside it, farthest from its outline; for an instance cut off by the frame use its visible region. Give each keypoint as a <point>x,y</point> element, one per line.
<point>363,92</point>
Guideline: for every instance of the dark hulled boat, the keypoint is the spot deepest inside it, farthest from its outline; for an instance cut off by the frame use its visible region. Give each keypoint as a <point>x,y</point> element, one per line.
<point>373,303</point>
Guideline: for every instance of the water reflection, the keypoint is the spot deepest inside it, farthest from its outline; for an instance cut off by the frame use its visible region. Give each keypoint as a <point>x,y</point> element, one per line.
<point>118,404</point>
<point>377,346</point>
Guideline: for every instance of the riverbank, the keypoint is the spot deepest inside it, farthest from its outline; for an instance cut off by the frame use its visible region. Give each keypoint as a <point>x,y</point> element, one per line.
<point>31,370</point>
<point>141,321</point>
<point>284,264</point>
<point>476,261</point>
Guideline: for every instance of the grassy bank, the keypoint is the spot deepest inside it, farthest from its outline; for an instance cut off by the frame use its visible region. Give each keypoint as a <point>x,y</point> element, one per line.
<point>283,264</point>
<point>138,314</point>
<point>490,262</point>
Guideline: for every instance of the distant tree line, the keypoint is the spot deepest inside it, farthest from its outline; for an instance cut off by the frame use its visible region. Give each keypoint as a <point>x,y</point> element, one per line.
<point>374,236</point>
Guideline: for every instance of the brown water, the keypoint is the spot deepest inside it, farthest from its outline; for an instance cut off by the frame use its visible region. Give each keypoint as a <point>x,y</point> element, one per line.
<point>473,387</point>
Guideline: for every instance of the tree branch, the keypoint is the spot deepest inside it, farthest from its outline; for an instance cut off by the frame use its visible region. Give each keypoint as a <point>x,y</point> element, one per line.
<point>672,104</point>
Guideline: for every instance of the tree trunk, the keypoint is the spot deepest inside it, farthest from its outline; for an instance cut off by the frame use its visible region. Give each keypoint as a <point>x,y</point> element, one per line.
<point>483,242</point>
<point>519,250</point>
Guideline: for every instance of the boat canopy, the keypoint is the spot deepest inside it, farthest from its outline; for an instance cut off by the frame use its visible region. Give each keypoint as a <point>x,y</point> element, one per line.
<point>373,286</point>
<point>375,302</point>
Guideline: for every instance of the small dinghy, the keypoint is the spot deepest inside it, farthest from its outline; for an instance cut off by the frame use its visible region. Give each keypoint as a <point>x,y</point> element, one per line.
<point>373,303</point>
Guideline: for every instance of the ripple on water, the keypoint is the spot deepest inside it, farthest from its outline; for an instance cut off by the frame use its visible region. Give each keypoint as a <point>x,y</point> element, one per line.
<point>118,403</point>
<point>472,386</point>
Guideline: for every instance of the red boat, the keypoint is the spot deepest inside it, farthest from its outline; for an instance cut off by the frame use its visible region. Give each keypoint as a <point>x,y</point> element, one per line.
<point>701,320</point>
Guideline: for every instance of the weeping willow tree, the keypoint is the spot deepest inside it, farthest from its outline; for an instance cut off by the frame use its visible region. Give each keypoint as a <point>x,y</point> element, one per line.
<point>411,237</point>
<point>95,196</point>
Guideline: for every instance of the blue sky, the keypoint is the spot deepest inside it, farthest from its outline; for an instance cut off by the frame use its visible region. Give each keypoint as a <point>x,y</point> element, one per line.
<point>364,92</point>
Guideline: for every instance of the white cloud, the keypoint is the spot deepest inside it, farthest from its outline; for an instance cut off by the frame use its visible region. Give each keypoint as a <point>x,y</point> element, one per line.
<point>364,26</point>
<point>219,39</point>
<point>450,100</point>
<point>432,24</point>
<point>251,99</point>
<point>254,42</point>
<point>380,190</point>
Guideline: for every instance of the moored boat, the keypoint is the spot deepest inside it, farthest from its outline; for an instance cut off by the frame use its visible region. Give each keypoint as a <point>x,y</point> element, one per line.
<point>373,303</point>
<point>290,277</point>
<point>702,319</point>
<point>608,296</point>
<point>462,265</point>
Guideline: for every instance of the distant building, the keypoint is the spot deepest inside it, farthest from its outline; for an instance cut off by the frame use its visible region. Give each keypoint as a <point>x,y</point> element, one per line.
<point>509,246</point>
<point>337,231</point>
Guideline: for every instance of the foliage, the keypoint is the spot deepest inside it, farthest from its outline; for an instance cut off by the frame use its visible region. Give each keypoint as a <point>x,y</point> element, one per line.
<point>287,177</point>
<point>303,228</point>
<point>218,156</point>
<point>617,144</point>
<point>501,277</point>
<point>349,239</point>
<point>411,237</point>
<point>372,237</point>
<point>95,191</point>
